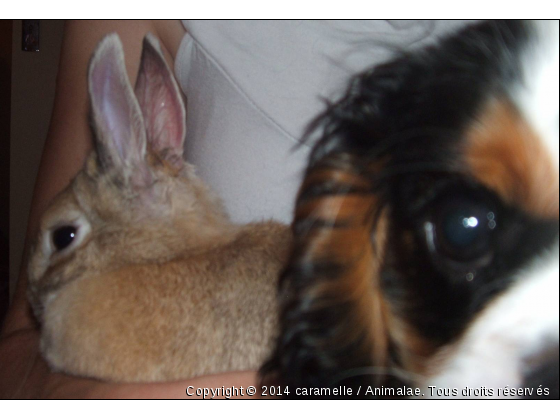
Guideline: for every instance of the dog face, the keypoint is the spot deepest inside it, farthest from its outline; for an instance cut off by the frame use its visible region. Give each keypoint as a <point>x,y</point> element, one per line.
<point>426,228</point>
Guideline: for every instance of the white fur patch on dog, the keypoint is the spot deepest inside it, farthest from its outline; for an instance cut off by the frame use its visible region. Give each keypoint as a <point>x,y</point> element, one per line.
<point>538,97</point>
<point>516,327</point>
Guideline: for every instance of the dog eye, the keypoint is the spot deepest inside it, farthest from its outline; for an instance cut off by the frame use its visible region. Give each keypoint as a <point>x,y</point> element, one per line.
<point>462,229</point>
<point>63,236</point>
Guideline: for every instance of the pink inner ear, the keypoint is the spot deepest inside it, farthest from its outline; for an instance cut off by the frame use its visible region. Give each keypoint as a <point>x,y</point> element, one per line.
<point>117,117</point>
<point>161,104</point>
<point>110,98</point>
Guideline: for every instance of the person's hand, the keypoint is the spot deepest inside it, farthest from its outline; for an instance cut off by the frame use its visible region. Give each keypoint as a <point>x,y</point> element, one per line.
<point>25,374</point>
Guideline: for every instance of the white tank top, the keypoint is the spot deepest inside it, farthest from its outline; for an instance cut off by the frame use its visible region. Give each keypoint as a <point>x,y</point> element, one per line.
<point>253,86</point>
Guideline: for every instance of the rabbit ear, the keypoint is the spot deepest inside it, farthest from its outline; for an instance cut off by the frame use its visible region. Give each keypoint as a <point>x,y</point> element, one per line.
<point>161,103</point>
<point>117,119</point>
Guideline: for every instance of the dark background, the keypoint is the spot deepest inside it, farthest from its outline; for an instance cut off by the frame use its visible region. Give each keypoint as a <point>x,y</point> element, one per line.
<point>27,90</point>
<point>5,98</point>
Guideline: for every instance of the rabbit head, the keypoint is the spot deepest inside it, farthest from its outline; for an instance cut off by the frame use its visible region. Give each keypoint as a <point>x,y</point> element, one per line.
<point>135,200</point>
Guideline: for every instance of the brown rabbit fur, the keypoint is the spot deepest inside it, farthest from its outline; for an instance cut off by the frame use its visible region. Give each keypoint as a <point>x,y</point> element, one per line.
<point>137,274</point>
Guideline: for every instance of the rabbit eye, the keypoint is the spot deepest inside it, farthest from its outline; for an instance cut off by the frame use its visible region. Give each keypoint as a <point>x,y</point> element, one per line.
<point>63,237</point>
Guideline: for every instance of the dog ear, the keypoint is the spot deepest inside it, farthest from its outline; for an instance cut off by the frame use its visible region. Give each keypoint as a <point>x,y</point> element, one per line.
<point>334,315</point>
<point>161,103</point>
<point>332,312</point>
<point>116,117</point>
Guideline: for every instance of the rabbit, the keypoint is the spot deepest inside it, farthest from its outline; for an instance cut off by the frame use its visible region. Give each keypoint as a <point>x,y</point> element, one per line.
<point>137,274</point>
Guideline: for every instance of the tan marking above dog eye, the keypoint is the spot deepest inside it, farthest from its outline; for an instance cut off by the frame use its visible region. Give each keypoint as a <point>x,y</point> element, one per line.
<point>504,154</point>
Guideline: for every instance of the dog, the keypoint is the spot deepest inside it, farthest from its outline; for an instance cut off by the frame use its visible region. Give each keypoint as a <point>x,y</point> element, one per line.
<point>425,261</point>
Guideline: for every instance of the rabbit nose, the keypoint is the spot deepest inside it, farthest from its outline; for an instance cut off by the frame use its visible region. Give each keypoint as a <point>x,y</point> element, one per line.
<point>544,375</point>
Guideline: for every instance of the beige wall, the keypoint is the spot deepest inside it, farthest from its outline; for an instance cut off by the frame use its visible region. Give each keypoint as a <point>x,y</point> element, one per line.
<point>33,85</point>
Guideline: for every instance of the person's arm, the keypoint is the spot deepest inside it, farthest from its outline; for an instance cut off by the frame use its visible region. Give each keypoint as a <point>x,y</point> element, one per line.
<point>23,373</point>
<point>69,140</point>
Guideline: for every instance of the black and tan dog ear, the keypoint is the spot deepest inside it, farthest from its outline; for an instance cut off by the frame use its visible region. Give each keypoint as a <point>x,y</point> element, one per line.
<point>332,321</point>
